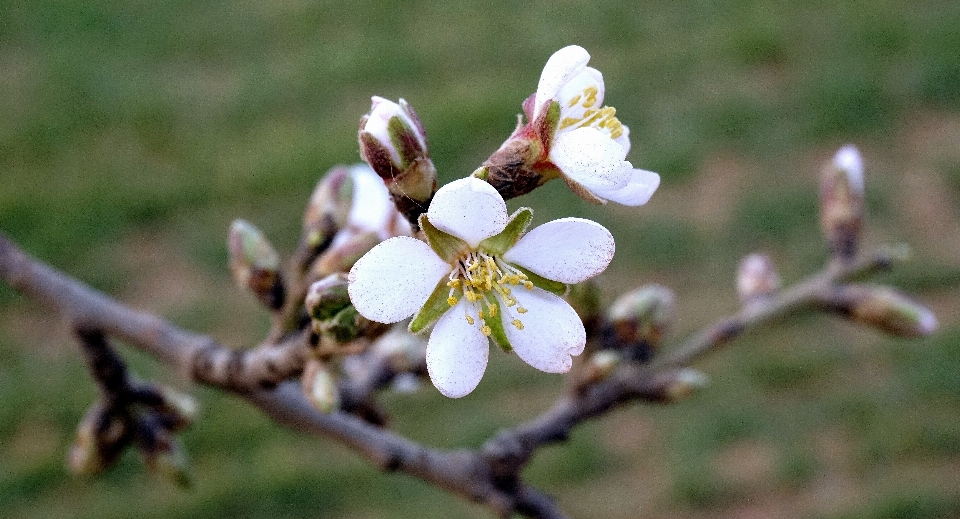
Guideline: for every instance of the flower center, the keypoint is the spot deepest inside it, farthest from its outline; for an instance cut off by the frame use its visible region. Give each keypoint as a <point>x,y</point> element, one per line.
<point>485,280</point>
<point>603,118</point>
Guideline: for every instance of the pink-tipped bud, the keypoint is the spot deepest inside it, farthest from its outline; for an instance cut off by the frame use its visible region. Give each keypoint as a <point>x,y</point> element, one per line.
<point>636,321</point>
<point>329,207</point>
<point>756,278</point>
<point>841,202</point>
<point>255,263</point>
<point>394,142</point>
<point>883,308</point>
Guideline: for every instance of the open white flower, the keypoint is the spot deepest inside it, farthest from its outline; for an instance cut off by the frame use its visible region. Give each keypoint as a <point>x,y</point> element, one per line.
<point>588,143</point>
<point>480,277</point>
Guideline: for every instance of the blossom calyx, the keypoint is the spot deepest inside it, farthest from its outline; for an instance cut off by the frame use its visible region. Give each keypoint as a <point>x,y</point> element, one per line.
<point>841,201</point>
<point>394,142</point>
<point>329,207</point>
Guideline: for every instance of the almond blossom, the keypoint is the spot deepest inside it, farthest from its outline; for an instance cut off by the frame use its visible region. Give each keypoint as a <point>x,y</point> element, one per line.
<point>478,277</point>
<point>586,141</point>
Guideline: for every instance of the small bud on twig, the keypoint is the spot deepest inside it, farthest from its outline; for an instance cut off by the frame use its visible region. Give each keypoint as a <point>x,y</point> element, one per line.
<point>101,437</point>
<point>344,253</point>
<point>841,202</point>
<point>320,387</point>
<point>255,264</point>
<point>598,367</point>
<point>167,457</point>
<point>682,383</point>
<point>883,308</point>
<point>327,297</point>
<point>757,278</point>
<point>637,320</point>
<point>329,207</point>
<point>177,410</point>
<point>394,142</point>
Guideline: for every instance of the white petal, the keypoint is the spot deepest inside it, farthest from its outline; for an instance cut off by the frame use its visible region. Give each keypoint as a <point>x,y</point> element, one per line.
<point>372,208</point>
<point>574,90</point>
<point>637,192</point>
<point>469,209</point>
<point>552,332</point>
<point>457,353</point>
<point>591,158</point>
<point>624,139</point>
<point>568,250</point>
<point>562,66</point>
<point>393,280</point>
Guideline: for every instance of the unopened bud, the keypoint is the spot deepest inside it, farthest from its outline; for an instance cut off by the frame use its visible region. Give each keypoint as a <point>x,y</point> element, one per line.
<point>255,264</point>
<point>841,201</point>
<point>405,383</point>
<point>680,384</point>
<point>329,207</point>
<point>883,308</point>
<point>394,142</point>
<point>512,170</point>
<point>177,410</point>
<point>327,297</point>
<point>320,387</point>
<point>101,437</point>
<point>599,366</point>
<point>168,458</point>
<point>636,321</point>
<point>757,277</point>
<point>344,252</point>
<point>404,350</point>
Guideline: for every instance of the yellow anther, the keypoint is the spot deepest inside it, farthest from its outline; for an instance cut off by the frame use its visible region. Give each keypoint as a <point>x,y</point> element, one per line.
<point>521,310</point>
<point>528,285</point>
<point>480,313</point>
<point>567,122</point>
<point>517,324</point>
<point>485,330</point>
<point>470,320</point>
<point>454,283</point>
<point>511,302</point>
<point>451,300</point>
<point>493,309</point>
<point>591,93</point>
<point>573,101</point>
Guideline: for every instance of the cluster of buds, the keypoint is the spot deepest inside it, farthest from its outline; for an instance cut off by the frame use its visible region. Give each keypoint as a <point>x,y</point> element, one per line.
<point>255,263</point>
<point>841,202</point>
<point>333,317</point>
<point>393,142</point>
<point>149,418</point>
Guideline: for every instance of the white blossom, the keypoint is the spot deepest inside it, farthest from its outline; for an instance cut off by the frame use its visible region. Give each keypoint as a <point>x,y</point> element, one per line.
<point>479,277</point>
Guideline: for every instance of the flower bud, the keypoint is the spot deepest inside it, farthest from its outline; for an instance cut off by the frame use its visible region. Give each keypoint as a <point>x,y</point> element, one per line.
<point>327,297</point>
<point>329,207</point>
<point>404,350</point>
<point>320,387</point>
<point>680,384</point>
<point>637,320</point>
<point>841,201</point>
<point>757,277</point>
<point>101,437</point>
<point>344,252</point>
<point>255,264</point>
<point>599,367</point>
<point>177,410</point>
<point>883,308</point>
<point>168,458</point>
<point>393,141</point>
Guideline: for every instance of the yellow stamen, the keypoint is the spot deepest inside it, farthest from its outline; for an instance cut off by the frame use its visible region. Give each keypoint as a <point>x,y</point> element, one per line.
<point>574,101</point>
<point>470,320</point>
<point>521,310</point>
<point>517,324</point>
<point>451,300</point>
<point>485,330</point>
<point>591,99</point>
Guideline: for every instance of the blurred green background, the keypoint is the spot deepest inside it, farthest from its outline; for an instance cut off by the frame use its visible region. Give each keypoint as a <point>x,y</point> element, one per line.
<point>133,132</point>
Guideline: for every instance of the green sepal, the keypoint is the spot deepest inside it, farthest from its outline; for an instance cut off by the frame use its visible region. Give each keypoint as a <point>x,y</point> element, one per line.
<point>435,306</point>
<point>547,123</point>
<point>497,333</point>
<point>501,243</point>
<point>447,246</point>
<point>554,287</point>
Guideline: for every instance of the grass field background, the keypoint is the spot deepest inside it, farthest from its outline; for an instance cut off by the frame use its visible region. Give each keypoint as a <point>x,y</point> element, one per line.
<point>132,133</point>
